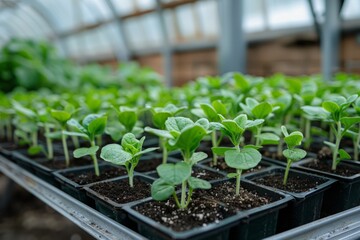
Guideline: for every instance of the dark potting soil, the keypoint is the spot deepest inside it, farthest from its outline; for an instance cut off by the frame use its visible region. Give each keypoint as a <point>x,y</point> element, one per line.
<point>200,212</point>
<point>206,174</point>
<point>60,164</point>
<point>90,177</point>
<point>121,192</point>
<point>222,166</point>
<point>148,165</point>
<point>225,192</point>
<point>295,184</point>
<point>325,165</point>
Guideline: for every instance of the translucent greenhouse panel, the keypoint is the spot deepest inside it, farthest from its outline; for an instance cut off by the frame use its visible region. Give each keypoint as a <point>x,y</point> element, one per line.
<point>124,7</point>
<point>112,35</point>
<point>134,32</point>
<point>72,14</point>
<point>208,15</point>
<point>170,24</point>
<point>96,44</point>
<point>186,22</point>
<point>288,13</point>
<point>62,12</point>
<point>145,4</point>
<point>254,16</point>
<point>42,28</point>
<point>18,25</point>
<point>98,9</point>
<point>151,25</point>
<point>351,9</point>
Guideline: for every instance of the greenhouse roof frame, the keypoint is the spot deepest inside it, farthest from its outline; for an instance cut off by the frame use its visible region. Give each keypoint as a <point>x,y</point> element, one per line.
<point>159,9</point>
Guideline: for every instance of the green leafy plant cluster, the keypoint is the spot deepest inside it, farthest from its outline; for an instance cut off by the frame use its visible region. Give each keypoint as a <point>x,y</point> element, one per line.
<point>234,115</point>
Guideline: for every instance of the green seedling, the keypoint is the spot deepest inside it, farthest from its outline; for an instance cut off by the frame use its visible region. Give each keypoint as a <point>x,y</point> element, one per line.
<point>127,120</point>
<point>62,116</point>
<point>240,159</point>
<point>334,111</point>
<point>292,153</point>
<point>211,112</point>
<point>30,123</point>
<point>260,110</point>
<point>172,175</point>
<point>283,102</point>
<point>160,115</point>
<point>184,135</point>
<point>92,125</point>
<point>127,154</point>
<point>27,121</point>
<point>307,96</point>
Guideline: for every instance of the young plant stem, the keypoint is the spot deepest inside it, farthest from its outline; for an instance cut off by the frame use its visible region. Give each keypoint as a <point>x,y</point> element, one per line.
<point>189,197</point>
<point>356,146</point>
<point>258,132</point>
<point>214,144</point>
<point>176,200</point>
<point>337,145</point>
<point>75,141</point>
<point>66,151</point>
<point>94,158</point>
<point>164,150</point>
<point>49,146</point>
<point>131,175</point>
<point>280,147</point>
<point>307,134</point>
<point>34,138</point>
<point>99,140</point>
<point>288,165</point>
<point>183,195</point>
<point>238,171</point>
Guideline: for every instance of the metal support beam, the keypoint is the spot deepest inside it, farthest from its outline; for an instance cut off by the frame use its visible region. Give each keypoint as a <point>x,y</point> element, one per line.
<point>123,52</point>
<point>330,39</point>
<point>166,47</point>
<point>316,22</point>
<point>232,43</point>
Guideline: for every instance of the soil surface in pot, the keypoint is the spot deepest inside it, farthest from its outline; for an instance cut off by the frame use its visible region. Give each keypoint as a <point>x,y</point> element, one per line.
<point>90,177</point>
<point>225,192</point>
<point>323,163</point>
<point>57,164</point>
<point>121,192</point>
<point>200,212</point>
<point>325,166</point>
<point>206,174</point>
<point>295,184</point>
<point>148,165</point>
<point>222,166</point>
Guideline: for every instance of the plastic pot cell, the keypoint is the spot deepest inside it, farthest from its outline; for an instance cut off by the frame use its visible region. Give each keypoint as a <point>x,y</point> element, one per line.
<point>110,206</point>
<point>342,195</point>
<point>307,203</point>
<point>236,224</point>
<point>72,181</point>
